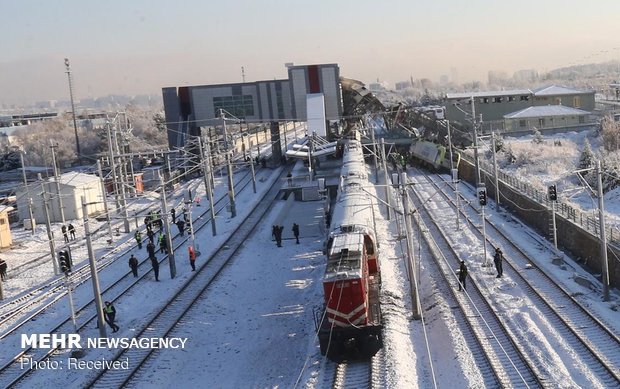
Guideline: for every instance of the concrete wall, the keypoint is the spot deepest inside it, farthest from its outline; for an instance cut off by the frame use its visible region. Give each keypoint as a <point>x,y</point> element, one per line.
<point>578,243</point>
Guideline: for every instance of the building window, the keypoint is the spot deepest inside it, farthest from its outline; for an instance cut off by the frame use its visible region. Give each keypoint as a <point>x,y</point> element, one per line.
<point>576,102</point>
<point>541,122</point>
<point>522,123</point>
<point>240,106</point>
<point>485,100</point>
<point>525,98</point>
<point>498,99</point>
<point>582,119</point>
<point>558,101</point>
<point>511,99</point>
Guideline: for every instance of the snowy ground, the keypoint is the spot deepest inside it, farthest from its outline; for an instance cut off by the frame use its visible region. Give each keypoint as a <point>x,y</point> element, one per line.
<point>255,327</point>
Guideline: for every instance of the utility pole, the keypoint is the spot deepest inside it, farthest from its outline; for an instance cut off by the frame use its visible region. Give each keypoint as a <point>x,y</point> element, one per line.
<point>94,276</point>
<point>50,234</point>
<point>374,155</point>
<point>206,170</point>
<point>495,172</point>
<point>188,204</point>
<point>104,197</point>
<point>32,222</point>
<point>113,167</point>
<point>123,173</point>
<point>388,197</point>
<point>164,208</point>
<point>77,139</point>
<point>253,174</point>
<point>285,141</point>
<point>482,197</point>
<point>69,286</point>
<point>475,126</point>
<point>415,302</point>
<point>257,142</point>
<point>231,185</point>
<point>57,179</point>
<point>601,211</point>
<point>455,179</point>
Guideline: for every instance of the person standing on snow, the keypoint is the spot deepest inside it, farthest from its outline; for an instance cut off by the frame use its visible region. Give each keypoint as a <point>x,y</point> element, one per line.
<point>72,231</point>
<point>64,233</point>
<point>462,275</point>
<point>155,264</point>
<point>192,257</point>
<point>150,248</point>
<point>296,232</point>
<point>3,269</point>
<point>138,237</point>
<point>497,259</point>
<point>110,315</point>
<point>133,264</point>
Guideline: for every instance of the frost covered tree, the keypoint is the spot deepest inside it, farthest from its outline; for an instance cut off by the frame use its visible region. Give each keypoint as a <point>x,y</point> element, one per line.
<point>149,129</point>
<point>499,143</point>
<point>537,136</point>
<point>586,160</point>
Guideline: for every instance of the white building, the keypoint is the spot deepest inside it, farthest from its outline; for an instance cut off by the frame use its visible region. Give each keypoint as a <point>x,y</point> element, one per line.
<point>73,186</point>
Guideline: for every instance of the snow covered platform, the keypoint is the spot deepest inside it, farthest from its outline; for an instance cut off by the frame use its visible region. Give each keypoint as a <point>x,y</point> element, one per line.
<point>309,215</point>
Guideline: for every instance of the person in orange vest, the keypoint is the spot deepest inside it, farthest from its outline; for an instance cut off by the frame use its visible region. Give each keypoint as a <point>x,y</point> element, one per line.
<point>192,257</point>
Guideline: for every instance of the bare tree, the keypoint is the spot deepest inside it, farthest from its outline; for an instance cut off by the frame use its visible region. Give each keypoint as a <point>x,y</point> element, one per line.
<point>610,133</point>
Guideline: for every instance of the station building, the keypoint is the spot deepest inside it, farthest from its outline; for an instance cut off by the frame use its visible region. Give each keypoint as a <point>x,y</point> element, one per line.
<point>519,110</point>
<point>188,108</point>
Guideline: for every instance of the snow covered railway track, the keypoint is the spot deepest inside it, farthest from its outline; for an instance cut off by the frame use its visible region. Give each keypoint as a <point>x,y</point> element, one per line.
<point>352,375</point>
<point>20,311</point>
<point>12,372</point>
<point>591,340</point>
<point>369,374</point>
<point>171,315</point>
<point>502,362</point>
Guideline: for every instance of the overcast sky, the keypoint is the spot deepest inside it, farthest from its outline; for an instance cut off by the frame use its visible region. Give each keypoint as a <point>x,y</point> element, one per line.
<point>139,46</point>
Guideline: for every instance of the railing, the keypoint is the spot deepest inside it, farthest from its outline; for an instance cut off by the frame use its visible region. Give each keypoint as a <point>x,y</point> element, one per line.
<point>582,219</point>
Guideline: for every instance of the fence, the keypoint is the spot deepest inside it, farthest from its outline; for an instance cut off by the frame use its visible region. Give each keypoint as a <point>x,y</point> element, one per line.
<point>581,219</point>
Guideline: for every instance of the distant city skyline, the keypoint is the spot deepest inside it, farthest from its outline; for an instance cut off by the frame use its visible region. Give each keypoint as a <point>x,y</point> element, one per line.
<point>140,46</point>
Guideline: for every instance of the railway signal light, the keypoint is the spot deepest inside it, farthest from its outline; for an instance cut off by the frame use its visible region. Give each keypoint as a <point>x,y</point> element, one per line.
<point>552,193</point>
<point>482,196</point>
<point>64,259</point>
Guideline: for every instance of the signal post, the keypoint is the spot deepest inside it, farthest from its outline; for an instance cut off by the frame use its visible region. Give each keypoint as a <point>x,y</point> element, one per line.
<point>482,199</point>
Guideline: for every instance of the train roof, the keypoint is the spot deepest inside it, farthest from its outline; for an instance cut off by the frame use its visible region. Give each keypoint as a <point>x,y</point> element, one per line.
<point>344,259</point>
<point>353,212</point>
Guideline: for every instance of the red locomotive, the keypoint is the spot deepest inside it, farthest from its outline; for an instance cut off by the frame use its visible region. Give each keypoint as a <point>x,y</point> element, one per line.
<point>350,325</point>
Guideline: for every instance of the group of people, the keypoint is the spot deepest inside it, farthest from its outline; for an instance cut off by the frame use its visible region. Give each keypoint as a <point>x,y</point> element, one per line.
<point>498,258</point>
<point>276,233</point>
<point>69,229</point>
<point>153,218</point>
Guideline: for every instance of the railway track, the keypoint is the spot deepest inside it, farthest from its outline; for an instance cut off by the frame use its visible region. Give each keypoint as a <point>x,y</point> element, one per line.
<point>180,304</point>
<point>369,374</point>
<point>595,344</point>
<point>501,361</point>
<point>11,372</point>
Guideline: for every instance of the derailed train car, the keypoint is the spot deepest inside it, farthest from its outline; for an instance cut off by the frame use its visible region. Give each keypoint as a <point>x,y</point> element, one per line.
<point>350,325</point>
<point>433,155</point>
